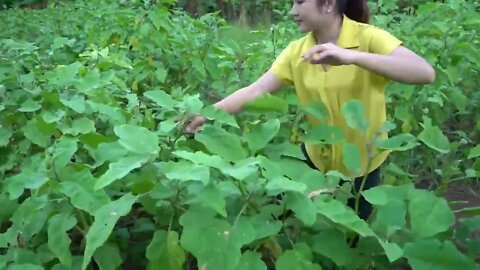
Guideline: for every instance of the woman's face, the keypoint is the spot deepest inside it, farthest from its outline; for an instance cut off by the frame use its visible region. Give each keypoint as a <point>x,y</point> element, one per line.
<point>309,16</point>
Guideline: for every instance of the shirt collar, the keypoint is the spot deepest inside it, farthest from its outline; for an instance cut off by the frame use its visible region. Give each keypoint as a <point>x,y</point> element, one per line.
<point>348,37</point>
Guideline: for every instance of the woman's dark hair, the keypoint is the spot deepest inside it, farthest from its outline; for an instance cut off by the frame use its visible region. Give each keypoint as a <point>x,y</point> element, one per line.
<point>356,10</point>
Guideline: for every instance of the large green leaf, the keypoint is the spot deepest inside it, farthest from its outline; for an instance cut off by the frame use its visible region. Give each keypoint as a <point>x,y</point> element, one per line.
<point>354,113</point>
<point>108,257</point>
<point>222,143</point>
<point>210,196</point>
<point>401,142</point>
<point>341,254</point>
<point>474,152</point>
<point>58,239</point>
<point>324,134</point>
<point>5,135</point>
<point>34,131</point>
<point>186,172</point>
<point>215,243</point>
<point>432,255</point>
<point>261,134</point>
<point>433,137</point>
<point>33,175</point>
<point>303,207</point>
<point>138,140</point>
<point>429,214</point>
<point>165,250</point>
<point>118,170</point>
<point>251,261</point>
<point>105,219</point>
<point>64,149</point>
<point>282,184</point>
<point>219,115</point>
<point>31,215</point>
<point>292,259</point>
<point>161,98</point>
<point>351,158</point>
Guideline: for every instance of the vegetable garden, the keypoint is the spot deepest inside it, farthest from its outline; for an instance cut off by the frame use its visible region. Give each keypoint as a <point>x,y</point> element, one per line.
<point>96,173</point>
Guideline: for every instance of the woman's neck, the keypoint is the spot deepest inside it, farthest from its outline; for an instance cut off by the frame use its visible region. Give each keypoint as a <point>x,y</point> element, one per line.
<point>329,33</point>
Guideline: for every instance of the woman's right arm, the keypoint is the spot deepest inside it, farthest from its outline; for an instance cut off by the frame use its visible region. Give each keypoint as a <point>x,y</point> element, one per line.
<point>233,103</point>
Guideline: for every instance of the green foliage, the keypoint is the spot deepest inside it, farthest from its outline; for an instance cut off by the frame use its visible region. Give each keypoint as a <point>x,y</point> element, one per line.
<point>96,172</point>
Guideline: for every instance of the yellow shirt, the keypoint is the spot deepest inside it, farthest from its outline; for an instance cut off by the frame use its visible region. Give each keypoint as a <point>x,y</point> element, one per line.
<point>337,85</point>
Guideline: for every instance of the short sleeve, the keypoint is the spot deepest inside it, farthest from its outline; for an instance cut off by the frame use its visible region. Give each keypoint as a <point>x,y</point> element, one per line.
<point>382,42</point>
<point>282,66</point>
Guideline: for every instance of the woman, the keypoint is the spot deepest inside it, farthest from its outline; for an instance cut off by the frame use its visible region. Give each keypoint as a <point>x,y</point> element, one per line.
<point>341,57</point>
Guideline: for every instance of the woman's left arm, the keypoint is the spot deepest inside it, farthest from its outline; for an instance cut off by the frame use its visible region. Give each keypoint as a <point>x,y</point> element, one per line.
<point>402,65</point>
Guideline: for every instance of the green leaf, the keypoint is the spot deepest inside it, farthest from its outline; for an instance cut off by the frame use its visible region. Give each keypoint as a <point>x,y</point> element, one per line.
<point>354,113</point>
<point>324,134</point>
<point>303,207</point>
<point>432,255</point>
<point>351,158</point>
<point>29,106</point>
<point>165,250</point>
<point>33,132</point>
<point>186,172</point>
<point>79,126</point>
<point>161,98</point>
<point>24,266</point>
<point>58,239</point>
<point>137,140</point>
<point>242,169</point>
<point>31,216</point>
<point>161,74</point>
<point>108,257</point>
<point>434,138</point>
<point>474,152</point>
<point>282,184</point>
<point>215,243</point>
<point>199,67</point>
<point>401,142</point>
<point>105,219</point>
<point>201,158</point>
<point>222,143</point>
<point>267,102</point>
<point>33,175</point>
<point>265,225</point>
<point>292,259</point>
<point>118,170</point>
<point>192,104</point>
<point>78,187</point>
<point>64,149</point>
<point>325,240</point>
<point>261,134</point>
<point>429,215</point>
<point>317,110</point>
<point>76,103</point>
<point>111,152</point>
<point>251,261</point>
<point>339,213</point>
<point>221,116</point>
<point>5,135</point>
<point>212,197</point>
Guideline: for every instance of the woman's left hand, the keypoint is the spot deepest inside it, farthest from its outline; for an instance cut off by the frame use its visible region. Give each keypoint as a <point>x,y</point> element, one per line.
<point>330,54</point>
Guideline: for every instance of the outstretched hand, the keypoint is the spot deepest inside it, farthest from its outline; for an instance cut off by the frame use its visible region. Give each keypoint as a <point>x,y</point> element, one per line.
<point>330,54</point>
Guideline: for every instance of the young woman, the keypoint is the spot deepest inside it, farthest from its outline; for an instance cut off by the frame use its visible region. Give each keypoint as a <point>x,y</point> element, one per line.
<point>341,57</point>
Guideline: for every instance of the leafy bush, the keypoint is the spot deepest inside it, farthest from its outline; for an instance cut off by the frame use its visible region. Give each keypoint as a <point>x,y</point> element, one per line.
<point>96,171</point>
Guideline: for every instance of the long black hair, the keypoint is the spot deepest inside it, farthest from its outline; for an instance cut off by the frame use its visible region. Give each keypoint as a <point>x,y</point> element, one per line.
<point>356,10</point>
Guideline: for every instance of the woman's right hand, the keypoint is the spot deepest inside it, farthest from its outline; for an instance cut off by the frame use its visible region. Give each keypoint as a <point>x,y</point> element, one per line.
<point>194,124</point>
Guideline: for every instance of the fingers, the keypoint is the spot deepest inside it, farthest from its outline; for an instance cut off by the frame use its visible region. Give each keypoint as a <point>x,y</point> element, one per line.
<point>320,58</point>
<point>315,50</point>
